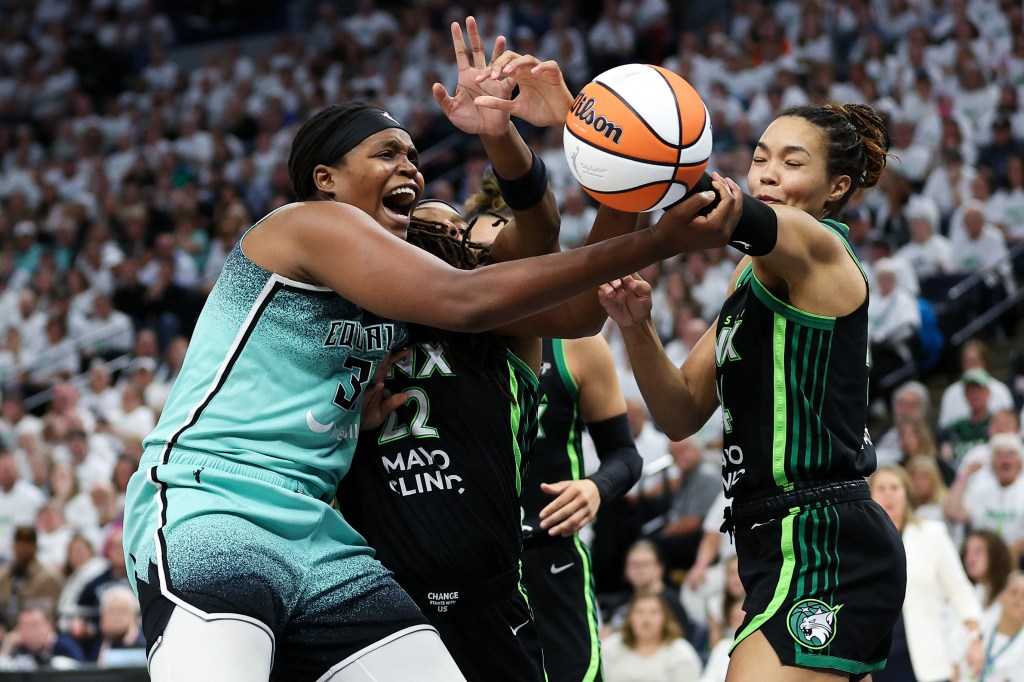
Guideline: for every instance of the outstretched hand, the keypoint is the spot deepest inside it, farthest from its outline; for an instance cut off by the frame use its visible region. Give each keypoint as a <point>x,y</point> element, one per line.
<point>378,402</point>
<point>544,99</point>
<point>576,506</point>
<point>627,300</point>
<point>692,231</point>
<point>461,109</point>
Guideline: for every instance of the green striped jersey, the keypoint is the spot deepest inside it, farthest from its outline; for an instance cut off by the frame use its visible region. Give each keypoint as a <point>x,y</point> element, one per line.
<point>558,453</point>
<point>793,388</point>
<point>273,376</point>
<point>435,489</point>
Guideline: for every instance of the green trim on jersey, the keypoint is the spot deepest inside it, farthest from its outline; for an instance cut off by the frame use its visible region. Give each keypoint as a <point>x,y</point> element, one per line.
<point>780,307</point>
<point>782,587</point>
<point>836,663</point>
<point>574,438</point>
<point>844,234</point>
<point>594,667</point>
<point>518,408</point>
<point>780,423</point>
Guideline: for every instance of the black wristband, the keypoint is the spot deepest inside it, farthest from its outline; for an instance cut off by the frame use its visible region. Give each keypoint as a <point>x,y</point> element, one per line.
<point>621,463</point>
<point>526,192</point>
<point>704,185</point>
<point>758,228</point>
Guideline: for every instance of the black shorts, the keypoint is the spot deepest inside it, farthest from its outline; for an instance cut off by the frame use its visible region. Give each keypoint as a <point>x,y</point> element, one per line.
<point>488,628</point>
<point>825,574</point>
<point>560,584</point>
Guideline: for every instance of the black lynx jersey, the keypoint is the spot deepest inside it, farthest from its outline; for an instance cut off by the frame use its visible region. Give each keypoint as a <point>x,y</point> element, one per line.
<point>794,407</point>
<point>435,489</point>
<point>558,453</point>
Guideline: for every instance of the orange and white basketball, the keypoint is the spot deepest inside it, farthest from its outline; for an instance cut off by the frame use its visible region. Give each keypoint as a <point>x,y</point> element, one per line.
<point>638,137</point>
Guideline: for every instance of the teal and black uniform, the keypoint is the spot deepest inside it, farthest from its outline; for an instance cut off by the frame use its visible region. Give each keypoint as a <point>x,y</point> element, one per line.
<point>823,566</point>
<point>229,514</point>
<point>435,491</point>
<point>557,570</point>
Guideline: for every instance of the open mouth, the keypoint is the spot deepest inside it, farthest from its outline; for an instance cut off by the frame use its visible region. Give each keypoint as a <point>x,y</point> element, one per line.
<point>398,204</point>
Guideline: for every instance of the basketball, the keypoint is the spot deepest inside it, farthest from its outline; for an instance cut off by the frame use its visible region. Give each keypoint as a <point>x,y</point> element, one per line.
<point>637,137</point>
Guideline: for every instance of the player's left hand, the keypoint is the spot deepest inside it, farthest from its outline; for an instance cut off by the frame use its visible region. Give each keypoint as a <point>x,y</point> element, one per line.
<point>461,109</point>
<point>627,300</point>
<point>574,507</point>
<point>544,99</point>
<point>378,402</point>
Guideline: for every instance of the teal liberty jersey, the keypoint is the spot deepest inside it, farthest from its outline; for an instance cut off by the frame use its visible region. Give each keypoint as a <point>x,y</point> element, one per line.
<point>793,388</point>
<point>274,377</point>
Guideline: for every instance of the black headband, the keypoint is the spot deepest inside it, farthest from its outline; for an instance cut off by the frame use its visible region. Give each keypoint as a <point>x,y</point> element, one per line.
<point>437,201</point>
<point>352,130</point>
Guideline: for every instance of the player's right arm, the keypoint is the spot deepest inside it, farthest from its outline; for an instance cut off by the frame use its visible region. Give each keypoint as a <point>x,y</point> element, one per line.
<point>339,246</point>
<point>679,399</point>
<point>534,227</point>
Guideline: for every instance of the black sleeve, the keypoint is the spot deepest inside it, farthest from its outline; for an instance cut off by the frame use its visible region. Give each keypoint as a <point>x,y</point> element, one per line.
<point>621,463</point>
<point>758,228</point>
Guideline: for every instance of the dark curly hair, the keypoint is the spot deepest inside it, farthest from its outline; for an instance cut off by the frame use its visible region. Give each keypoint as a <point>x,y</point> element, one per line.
<point>485,353</point>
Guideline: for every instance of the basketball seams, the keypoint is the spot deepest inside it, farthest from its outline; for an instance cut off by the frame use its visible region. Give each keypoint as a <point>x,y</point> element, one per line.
<point>642,119</point>
<point>675,103</point>
<point>677,96</point>
<point>639,159</point>
<point>645,186</point>
<point>643,171</point>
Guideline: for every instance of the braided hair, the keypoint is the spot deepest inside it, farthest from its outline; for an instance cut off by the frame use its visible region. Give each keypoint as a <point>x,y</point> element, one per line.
<point>484,354</point>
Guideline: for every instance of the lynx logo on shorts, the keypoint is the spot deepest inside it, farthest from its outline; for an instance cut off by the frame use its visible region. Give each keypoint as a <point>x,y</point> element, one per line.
<point>812,623</point>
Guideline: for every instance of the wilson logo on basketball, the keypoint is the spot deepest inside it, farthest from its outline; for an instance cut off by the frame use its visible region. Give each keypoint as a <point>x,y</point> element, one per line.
<point>583,109</point>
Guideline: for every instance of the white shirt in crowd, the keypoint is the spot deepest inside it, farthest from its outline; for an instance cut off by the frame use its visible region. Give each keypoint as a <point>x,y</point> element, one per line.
<point>677,661</point>
<point>893,318</point>
<point>933,256</point>
<point>997,508</point>
<point>954,403</point>
<point>18,507</point>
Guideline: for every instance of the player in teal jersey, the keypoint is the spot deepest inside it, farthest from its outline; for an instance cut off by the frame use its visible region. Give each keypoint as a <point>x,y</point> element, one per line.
<point>243,569</point>
<point>458,448</point>
<point>823,567</point>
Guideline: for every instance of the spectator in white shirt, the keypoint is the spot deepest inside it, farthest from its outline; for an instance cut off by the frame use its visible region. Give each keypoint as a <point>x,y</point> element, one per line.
<point>91,459</point>
<point>14,358</point>
<point>949,182</point>
<point>611,39</point>
<point>981,246</point>
<point>161,73</point>
<point>1007,203</point>
<point>928,252</point>
<point>131,421</point>
<point>707,287</point>
<point>577,215</point>
<point>993,502</point>
<point>370,27</point>
<point>915,159</point>
<point>20,501</point>
<point>893,321</point>
<point>56,358</point>
<point>974,354</point>
<point>107,332</point>
<point>909,403</point>
<point>27,317</point>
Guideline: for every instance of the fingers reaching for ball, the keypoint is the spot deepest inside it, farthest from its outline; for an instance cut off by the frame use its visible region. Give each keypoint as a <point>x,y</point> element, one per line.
<point>543,100</point>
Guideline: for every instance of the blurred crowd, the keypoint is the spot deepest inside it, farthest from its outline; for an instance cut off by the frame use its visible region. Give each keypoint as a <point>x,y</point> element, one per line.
<point>128,172</point>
